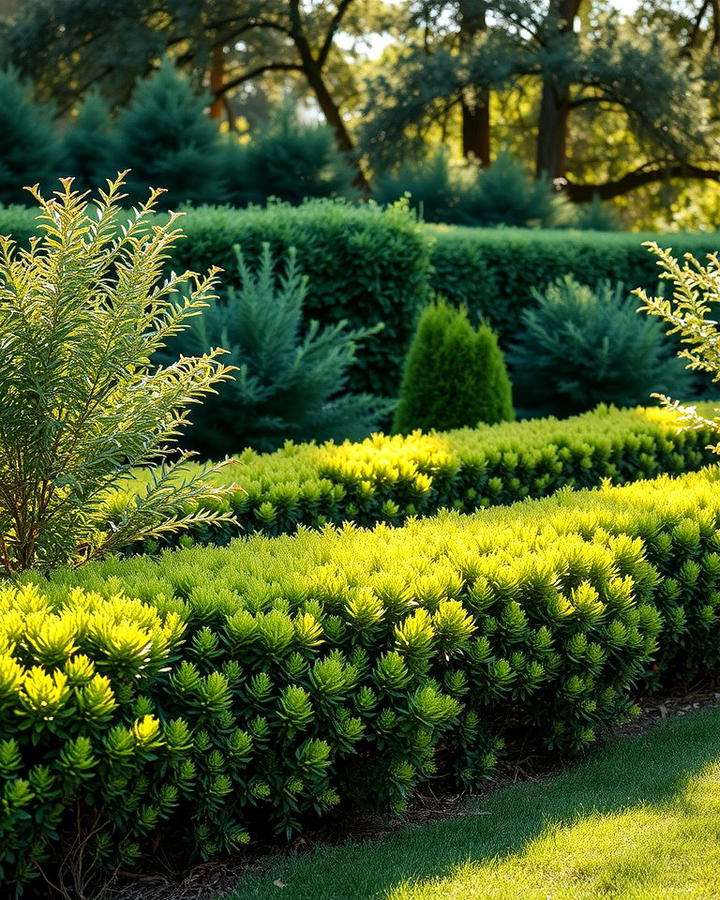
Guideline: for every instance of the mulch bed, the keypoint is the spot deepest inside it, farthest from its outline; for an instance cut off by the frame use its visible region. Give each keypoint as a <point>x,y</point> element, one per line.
<point>211,880</point>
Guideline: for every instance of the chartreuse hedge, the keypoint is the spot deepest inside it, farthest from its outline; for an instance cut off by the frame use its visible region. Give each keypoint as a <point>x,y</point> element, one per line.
<point>388,478</point>
<point>190,702</point>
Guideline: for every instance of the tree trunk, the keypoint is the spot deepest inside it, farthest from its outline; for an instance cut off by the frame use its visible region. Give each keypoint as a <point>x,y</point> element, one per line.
<point>551,151</point>
<point>312,70</point>
<point>551,158</point>
<point>475,112</point>
<point>476,129</point>
<point>217,80</point>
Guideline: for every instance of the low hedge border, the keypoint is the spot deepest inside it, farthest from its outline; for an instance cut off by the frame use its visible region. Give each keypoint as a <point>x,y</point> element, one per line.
<point>387,479</point>
<point>184,704</point>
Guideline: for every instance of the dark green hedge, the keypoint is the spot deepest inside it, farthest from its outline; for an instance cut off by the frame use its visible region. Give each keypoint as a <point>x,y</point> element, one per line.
<point>367,265</point>
<point>493,271</point>
<point>364,265</point>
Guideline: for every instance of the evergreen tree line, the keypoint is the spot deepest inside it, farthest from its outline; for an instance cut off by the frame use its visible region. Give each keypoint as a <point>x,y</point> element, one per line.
<point>166,139</point>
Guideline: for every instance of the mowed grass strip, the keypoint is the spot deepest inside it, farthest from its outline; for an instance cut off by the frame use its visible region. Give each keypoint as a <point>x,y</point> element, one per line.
<point>640,820</point>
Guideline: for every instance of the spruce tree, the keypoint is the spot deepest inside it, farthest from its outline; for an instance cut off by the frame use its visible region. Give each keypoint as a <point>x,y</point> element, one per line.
<point>454,374</point>
<point>291,380</point>
<point>87,144</point>
<point>29,148</point>
<point>166,139</point>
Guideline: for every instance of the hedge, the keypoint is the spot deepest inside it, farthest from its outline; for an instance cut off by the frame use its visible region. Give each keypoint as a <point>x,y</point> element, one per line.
<point>364,265</point>
<point>188,704</point>
<point>387,479</point>
<point>493,270</point>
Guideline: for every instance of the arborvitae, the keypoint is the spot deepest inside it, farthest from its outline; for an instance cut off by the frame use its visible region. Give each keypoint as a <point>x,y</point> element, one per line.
<point>87,144</point>
<point>166,139</point>
<point>287,160</point>
<point>28,146</point>
<point>454,374</point>
<point>291,379</point>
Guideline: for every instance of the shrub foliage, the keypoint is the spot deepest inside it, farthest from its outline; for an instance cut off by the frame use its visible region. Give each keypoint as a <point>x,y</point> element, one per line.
<point>188,703</point>
<point>387,479</point>
<point>81,313</point>
<point>454,375</point>
<point>581,346</point>
<point>291,377</point>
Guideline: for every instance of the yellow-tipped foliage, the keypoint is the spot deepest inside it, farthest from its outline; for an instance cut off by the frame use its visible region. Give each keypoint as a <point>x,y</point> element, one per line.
<point>196,697</point>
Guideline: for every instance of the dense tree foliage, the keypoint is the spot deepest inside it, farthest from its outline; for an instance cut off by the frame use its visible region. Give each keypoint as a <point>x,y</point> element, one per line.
<point>602,102</point>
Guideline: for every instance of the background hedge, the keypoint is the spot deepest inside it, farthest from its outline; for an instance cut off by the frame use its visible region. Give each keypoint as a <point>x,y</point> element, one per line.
<point>387,479</point>
<point>367,265</point>
<point>363,265</point>
<point>493,270</point>
<point>190,703</point>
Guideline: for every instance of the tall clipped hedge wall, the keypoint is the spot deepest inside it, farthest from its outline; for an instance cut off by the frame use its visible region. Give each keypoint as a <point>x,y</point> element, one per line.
<point>493,270</point>
<point>367,265</point>
<point>363,264</point>
<point>387,479</point>
<point>187,704</point>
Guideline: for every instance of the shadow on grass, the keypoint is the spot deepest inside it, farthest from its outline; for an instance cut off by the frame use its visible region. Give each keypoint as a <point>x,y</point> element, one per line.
<point>629,822</point>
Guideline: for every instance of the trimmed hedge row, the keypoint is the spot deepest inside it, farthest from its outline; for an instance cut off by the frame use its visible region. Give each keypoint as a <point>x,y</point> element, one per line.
<point>187,703</point>
<point>493,270</point>
<point>364,265</point>
<point>367,265</point>
<point>387,479</point>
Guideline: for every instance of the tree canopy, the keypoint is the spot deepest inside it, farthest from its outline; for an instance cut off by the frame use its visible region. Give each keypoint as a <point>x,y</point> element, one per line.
<point>601,102</point>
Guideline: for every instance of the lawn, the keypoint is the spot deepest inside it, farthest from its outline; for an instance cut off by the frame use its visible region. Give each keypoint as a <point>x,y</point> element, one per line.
<point>640,820</point>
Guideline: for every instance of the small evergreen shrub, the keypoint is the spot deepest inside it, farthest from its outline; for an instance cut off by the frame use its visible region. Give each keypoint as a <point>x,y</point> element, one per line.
<point>185,705</point>
<point>503,194</point>
<point>29,151</point>
<point>288,161</point>
<point>291,377</point>
<point>166,139</point>
<point>364,266</point>
<point>582,346</point>
<point>430,184</point>
<point>594,216</point>
<point>454,375</point>
<point>81,313</point>
<point>506,194</point>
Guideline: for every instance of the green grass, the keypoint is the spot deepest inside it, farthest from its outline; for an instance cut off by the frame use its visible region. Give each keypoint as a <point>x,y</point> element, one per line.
<point>641,819</point>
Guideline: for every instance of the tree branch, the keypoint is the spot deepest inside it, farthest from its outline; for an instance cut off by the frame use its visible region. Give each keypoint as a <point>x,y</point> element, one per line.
<point>253,73</point>
<point>648,174</point>
<point>342,8</point>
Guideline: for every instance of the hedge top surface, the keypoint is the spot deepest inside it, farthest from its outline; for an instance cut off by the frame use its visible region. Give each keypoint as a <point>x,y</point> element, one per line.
<point>387,571</point>
<point>422,457</point>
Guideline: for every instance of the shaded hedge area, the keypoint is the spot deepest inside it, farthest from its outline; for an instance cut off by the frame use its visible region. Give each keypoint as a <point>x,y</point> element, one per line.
<point>366,265</point>
<point>188,704</point>
<point>494,270</point>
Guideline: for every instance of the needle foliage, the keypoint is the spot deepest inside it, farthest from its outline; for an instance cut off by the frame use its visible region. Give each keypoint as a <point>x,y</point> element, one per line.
<point>81,313</point>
